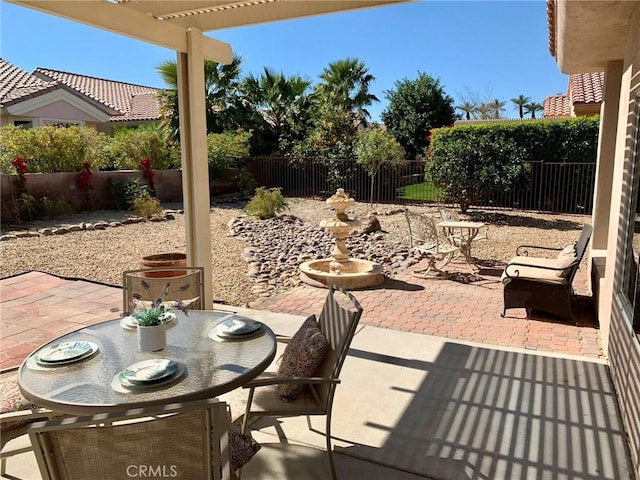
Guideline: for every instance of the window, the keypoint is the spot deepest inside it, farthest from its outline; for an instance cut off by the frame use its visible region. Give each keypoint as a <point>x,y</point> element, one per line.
<point>632,257</point>
<point>23,123</point>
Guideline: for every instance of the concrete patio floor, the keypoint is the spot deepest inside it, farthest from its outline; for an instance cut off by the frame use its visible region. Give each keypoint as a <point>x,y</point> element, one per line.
<point>412,404</point>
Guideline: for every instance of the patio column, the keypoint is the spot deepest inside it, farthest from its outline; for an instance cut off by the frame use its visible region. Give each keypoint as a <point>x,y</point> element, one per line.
<point>195,171</point>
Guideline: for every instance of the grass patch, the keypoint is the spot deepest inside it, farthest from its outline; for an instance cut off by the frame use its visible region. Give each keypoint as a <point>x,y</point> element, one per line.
<point>425,191</point>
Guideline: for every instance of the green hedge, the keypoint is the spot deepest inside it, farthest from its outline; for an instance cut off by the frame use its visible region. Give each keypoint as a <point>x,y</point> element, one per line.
<point>55,149</point>
<point>469,161</point>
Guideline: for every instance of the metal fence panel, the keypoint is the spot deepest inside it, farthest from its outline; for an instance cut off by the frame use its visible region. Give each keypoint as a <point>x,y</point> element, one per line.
<point>552,186</point>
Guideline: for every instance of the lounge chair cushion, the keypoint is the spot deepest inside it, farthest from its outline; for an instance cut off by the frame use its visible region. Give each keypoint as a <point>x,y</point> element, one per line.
<point>523,267</point>
<point>12,400</point>
<point>301,357</point>
<point>565,258</point>
<point>243,448</point>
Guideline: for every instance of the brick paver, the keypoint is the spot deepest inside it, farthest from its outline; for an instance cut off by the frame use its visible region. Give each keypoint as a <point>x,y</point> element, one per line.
<point>36,307</point>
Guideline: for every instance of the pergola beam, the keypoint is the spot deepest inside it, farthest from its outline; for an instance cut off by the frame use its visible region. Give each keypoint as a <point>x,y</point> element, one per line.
<point>126,21</point>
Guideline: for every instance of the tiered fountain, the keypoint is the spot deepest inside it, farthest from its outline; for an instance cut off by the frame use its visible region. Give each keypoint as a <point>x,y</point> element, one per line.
<point>340,270</point>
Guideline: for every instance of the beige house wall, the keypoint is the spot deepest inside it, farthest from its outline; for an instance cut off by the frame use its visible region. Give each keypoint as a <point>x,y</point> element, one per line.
<point>623,347</point>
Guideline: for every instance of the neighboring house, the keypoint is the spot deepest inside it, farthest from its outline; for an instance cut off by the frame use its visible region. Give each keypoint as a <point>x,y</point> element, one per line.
<point>52,97</point>
<point>583,98</point>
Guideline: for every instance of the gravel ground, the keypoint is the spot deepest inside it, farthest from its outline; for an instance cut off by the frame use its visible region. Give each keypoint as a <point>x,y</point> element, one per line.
<point>102,255</point>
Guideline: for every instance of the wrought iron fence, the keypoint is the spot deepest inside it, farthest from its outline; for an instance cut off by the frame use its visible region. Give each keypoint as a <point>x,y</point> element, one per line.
<point>551,186</point>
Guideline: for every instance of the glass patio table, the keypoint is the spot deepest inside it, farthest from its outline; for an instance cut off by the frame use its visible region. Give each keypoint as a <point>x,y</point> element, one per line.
<point>208,365</point>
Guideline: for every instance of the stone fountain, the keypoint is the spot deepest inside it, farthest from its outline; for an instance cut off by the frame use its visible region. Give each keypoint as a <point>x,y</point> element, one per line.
<point>340,270</point>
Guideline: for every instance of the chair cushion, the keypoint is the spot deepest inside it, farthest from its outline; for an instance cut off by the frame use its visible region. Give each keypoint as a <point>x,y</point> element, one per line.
<point>12,400</point>
<point>532,268</point>
<point>243,448</point>
<point>565,258</point>
<point>301,357</point>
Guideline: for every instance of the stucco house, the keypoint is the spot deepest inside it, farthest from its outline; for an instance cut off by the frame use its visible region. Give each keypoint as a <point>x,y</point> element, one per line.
<point>53,97</point>
<point>583,98</point>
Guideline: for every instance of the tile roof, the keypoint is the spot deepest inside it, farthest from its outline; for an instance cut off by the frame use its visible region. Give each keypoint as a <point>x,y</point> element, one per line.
<point>17,84</point>
<point>133,102</point>
<point>586,87</point>
<point>557,106</point>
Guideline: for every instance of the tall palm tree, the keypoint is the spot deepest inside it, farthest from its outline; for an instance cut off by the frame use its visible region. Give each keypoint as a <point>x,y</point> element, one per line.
<point>520,101</point>
<point>345,85</point>
<point>468,108</point>
<point>221,91</point>
<point>279,99</point>
<point>532,108</point>
<point>496,107</point>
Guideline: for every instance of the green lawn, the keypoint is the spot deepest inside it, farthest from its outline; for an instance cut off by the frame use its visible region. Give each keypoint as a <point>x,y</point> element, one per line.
<point>424,191</point>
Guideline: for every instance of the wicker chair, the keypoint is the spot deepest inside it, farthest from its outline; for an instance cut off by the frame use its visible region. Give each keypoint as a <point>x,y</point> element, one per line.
<point>540,283</point>
<point>184,440</point>
<point>424,238</point>
<point>147,286</point>
<point>338,321</point>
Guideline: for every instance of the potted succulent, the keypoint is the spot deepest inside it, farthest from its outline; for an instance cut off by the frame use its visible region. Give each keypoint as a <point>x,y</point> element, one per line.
<point>151,321</point>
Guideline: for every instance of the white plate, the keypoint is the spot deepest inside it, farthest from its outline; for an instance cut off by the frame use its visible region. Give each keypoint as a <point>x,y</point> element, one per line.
<point>131,323</point>
<point>149,371</point>
<point>65,352</point>
<point>121,384</point>
<point>236,327</point>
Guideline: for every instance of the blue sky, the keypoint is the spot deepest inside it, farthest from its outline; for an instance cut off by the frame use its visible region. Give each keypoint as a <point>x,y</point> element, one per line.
<point>490,48</point>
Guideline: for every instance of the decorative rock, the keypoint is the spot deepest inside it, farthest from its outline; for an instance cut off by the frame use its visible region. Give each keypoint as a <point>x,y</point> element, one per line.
<point>75,228</point>
<point>100,225</point>
<point>46,231</point>
<point>22,234</point>
<point>169,216</point>
<point>7,237</point>
<point>157,219</point>
<point>89,226</point>
<point>370,224</point>
<point>60,231</point>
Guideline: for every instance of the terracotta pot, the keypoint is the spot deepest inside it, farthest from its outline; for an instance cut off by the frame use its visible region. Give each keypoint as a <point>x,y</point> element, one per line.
<point>164,260</point>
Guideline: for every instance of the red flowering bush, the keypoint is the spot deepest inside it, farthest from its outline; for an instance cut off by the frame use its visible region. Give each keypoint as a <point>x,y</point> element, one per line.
<point>148,174</point>
<point>21,169</point>
<point>85,185</point>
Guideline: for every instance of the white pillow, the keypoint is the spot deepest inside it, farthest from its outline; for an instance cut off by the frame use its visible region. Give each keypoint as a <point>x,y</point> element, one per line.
<point>565,258</point>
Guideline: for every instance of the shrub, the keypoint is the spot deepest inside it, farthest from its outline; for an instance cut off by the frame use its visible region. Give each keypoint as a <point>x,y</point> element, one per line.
<point>123,194</point>
<point>246,183</point>
<point>146,207</point>
<point>266,203</point>
<point>224,150</point>
<point>52,149</point>
<point>130,145</point>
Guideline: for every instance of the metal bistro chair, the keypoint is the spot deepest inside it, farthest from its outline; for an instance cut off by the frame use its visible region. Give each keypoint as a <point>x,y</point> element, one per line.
<point>424,238</point>
<point>182,440</point>
<point>147,285</point>
<point>338,321</point>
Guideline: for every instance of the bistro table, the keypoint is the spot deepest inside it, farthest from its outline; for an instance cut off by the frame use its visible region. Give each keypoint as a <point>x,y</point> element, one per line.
<point>468,231</point>
<point>209,366</point>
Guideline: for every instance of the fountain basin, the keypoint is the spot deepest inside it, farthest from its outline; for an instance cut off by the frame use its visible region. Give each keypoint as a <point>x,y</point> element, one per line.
<point>356,274</point>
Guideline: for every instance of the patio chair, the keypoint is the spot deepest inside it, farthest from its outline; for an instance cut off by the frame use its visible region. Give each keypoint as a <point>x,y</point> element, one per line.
<point>182,440</point>
<point>337,322</point>
<point>424,238</point>
<point>16,412</point>
<point>144,286</point>
<point>542,283</point>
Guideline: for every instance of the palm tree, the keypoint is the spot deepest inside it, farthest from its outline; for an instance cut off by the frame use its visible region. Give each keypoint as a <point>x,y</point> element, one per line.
<point>345,85</point>
<point>280,100</point>
<point>520,101</point>
<point>496,107</point>
<point>532,108</point>
<point>468,108</point>
<point>221,91</point>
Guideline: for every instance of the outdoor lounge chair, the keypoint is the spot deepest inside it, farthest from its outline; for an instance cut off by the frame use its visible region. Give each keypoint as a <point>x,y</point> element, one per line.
<point>183,440</point>
<point>424,238</point>
<point>148,285</point>
<point>338,321</point>
<point>541,283</point>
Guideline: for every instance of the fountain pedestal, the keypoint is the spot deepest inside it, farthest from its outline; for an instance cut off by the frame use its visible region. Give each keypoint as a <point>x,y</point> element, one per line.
<point>340,270</point>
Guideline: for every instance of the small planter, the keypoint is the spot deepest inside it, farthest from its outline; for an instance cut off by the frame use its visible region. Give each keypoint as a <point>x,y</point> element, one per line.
<point>152,339</point>
<point>164,260</point>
